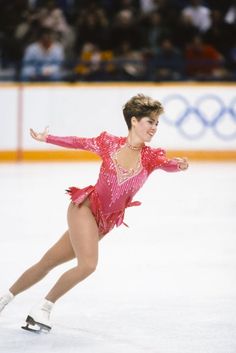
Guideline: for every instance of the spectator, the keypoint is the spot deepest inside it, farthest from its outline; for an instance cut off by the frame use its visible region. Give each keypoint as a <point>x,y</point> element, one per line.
<point>129,5</point>
<point>92,27</point>
<point>203,61</point>
<point>43,59</point>
<point>94,63</point>
<point>167,64</point>
<point>148,6</point>
<point>26,32</point>
<point>183,31</point>
<point>125,28</point>
<point>130,63</point>
<point>155,30</point>
<point>51,16</point>
<point>218,32</point>
<point>199,15</point>
<point>230,16</point>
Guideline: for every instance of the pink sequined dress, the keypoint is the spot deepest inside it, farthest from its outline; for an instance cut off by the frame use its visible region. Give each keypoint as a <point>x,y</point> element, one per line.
<point>115,186</point>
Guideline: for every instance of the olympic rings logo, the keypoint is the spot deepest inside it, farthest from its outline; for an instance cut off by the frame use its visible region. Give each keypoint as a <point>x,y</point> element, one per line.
<point>207,112</point>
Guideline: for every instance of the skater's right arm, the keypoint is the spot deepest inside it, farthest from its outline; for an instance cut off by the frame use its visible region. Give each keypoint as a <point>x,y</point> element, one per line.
<point>89,144</point>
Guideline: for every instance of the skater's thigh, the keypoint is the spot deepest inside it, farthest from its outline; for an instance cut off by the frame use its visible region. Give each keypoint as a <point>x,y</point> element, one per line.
<point>62,251</point>
<point>83,232</point>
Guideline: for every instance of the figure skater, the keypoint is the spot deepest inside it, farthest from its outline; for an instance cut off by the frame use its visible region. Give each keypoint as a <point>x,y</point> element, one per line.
<point>96,210</point>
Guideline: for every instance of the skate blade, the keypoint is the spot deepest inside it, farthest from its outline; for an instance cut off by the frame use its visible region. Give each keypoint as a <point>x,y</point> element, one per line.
<point>34,326</point>
<point>28,328</point>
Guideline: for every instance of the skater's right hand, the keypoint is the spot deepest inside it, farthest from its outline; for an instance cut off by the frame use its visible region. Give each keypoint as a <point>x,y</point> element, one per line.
<point>39,136</point>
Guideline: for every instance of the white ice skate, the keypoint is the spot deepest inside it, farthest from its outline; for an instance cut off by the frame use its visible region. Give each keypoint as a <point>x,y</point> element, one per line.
<point>5,299</point>
<point>38,319</point>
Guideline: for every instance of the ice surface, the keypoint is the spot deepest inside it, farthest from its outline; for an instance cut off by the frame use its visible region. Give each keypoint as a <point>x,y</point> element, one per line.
<point>166,284</point>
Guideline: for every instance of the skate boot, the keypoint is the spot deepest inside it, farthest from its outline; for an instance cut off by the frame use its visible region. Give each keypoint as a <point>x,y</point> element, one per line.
<point>38,319</point>
<point>5,299</point>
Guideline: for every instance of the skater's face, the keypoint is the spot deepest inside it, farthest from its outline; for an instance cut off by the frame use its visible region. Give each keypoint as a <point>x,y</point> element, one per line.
<point>145,128</point>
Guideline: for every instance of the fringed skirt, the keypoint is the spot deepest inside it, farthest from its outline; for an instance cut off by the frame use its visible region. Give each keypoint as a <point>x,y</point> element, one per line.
<point>105,221</point>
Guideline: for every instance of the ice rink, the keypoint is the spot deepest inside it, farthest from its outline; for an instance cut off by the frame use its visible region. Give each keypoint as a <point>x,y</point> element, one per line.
<point>166,284</point>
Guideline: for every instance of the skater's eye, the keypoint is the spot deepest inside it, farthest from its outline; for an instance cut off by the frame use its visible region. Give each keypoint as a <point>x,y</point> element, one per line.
<point>152,122</point>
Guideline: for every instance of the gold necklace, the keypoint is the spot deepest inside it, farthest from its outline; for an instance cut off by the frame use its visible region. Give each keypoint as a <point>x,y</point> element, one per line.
<point>133,148</point>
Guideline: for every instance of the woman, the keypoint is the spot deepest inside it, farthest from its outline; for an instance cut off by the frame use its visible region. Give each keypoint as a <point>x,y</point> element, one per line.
<point>95,210</point>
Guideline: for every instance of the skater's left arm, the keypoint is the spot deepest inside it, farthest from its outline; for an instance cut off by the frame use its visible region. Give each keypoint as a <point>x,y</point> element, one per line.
<point>159,160</point>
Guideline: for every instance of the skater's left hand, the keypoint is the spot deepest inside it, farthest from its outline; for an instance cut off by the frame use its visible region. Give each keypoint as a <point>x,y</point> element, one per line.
<point>182,163</point>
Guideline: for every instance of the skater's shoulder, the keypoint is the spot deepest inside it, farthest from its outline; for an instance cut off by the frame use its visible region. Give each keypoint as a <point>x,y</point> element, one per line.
<point>154,151</point>
<point>108,137</point>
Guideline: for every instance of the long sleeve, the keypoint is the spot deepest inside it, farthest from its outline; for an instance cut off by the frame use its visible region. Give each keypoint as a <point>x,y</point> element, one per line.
<point>93,144</point>
<point>157,160</point>
<point>169,165</point>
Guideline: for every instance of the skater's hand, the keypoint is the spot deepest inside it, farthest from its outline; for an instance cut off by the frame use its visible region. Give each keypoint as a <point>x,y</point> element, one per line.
<point>182,163</point>
<point>39,136</point>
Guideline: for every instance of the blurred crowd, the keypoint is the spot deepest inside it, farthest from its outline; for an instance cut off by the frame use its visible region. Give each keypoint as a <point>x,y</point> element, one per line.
<point>117,40</point>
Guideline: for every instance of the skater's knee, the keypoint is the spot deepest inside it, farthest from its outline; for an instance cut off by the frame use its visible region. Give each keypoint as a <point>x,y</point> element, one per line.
<point>88,266</point>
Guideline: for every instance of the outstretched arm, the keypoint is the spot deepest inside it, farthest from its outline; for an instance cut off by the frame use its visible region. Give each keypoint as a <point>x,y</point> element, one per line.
<point>94,144</point>
<point>173,165</point>
<point>159,160</point>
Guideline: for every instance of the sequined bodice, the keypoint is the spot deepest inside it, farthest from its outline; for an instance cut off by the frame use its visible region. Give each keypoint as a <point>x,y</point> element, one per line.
<point>115,185</point>
<point>122,173</point>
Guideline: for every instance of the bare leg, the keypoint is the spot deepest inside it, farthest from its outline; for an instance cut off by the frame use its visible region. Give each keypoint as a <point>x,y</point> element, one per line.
<point>84,238</point>
<point>59,253</point>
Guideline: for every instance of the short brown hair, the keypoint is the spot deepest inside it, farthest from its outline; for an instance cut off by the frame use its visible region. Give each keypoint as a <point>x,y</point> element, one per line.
<point>141,106</point>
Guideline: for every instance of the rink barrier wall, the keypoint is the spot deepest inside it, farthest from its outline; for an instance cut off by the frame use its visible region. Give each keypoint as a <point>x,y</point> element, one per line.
<point>87,108</point>
<point>83,156</point>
